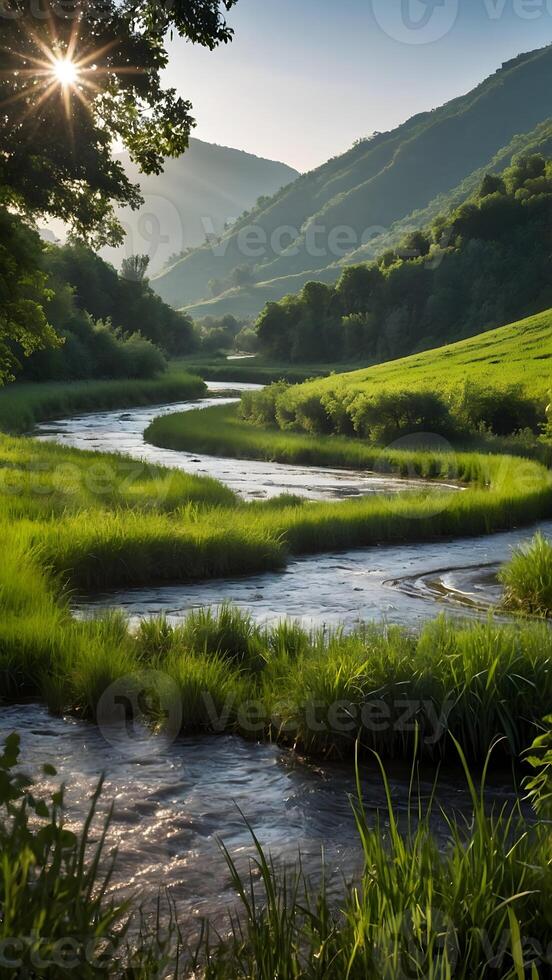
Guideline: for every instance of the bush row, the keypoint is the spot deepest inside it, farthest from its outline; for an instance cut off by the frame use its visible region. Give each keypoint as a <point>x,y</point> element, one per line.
<point>383,416</point>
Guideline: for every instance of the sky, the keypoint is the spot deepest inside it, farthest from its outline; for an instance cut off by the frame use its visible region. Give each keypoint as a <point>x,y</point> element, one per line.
<point>303,79</point>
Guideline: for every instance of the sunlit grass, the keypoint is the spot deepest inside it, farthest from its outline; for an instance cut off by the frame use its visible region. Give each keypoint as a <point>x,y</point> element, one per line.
<point>527,578</point>
<point>473,903</point>
<point>22,405</point>
<point>319,692</point>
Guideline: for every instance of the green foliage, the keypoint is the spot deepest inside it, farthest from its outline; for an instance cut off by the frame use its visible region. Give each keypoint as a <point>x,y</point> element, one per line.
<point>385,417</point>
<point>56,916</point>
<point>228,633</point>
<point>218,334</point>
<point>495,382</point>
<point>474,902</point>
<point>22,404</point>
<point>469,908</point>
<point>120,54</point>
<point>527,578</point>
<point>500,410</point>
<point>51,889</point>
<point>539,785</point>
<point>481,265</point>
<point>129,303</point>
<point>24,327</point>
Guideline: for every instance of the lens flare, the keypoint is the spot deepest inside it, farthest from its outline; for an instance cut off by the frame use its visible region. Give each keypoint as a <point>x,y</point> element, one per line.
<point>65,71</point>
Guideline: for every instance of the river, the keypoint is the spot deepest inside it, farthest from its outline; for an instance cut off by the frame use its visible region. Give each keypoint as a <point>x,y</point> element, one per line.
<point>173,802</point>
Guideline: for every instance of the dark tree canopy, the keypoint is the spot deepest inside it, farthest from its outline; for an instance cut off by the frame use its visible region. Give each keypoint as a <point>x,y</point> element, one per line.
<point>134,267</point>
<point>58,122</point>
<point>482,265</point>
<point>75,77</point>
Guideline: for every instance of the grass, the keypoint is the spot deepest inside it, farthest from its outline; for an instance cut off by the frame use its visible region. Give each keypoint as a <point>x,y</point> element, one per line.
<point>517,354</point>
<point>527,578</point>
<point>220,430</point>
<point>385,687</point>
<point>476,906</point>
<point>23,405</point>
<point>72,519</point>
<point>100,521</point>
<point>251,370</point>
<point>56,916</point>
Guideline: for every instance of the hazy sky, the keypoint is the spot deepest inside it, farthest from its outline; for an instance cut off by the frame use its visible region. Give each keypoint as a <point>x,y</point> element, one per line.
<point>304,78</point>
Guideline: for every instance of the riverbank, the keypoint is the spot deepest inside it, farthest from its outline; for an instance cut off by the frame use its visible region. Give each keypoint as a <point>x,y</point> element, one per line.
<point>88,520</point>
<point>484,877</point>
<point>250,370</point>
<point>389,689</point>
<point>220,430</point>
<point>23,405</point>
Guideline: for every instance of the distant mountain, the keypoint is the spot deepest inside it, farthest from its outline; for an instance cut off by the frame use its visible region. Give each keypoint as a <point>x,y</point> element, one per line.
<point>360,203</point>
<point>196,195</point>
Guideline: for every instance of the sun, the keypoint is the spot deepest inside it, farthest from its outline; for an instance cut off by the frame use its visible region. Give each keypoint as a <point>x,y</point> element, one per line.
<point>65,72</point>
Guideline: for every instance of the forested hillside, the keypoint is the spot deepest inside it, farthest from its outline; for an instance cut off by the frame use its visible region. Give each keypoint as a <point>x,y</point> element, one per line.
<point>374,191</point>
<point>193,198</point>
<point>107,325</point>
<point>482,265</point>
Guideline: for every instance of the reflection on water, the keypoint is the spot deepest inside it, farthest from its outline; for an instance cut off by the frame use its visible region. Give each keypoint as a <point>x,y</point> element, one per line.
<point>390,582</point>
<point>171,808</point>
<point>122,432</point>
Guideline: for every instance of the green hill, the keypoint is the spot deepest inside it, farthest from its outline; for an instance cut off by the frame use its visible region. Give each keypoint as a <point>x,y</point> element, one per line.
<point>517,354</point>
<point>396,179</point>
<point>196,195</point>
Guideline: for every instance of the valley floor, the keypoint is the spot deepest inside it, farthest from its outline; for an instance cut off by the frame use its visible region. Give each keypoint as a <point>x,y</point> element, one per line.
<point>74,519</point>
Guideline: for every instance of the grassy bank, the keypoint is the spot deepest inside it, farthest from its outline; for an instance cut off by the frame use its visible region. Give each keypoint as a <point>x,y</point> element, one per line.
<point>250,370</point>
<point>527,578</point>
<point>385,687</point>
<point>102,521</point>
<point>22,405</point>
<point>76,519</point>
<point>220,431</point>
<point>71,518</point>
<point>517,354</point>
<point>476,906</point>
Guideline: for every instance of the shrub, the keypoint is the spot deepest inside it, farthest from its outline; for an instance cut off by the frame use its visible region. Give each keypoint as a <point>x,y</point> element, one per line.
<point>259,407</point>
<point>527,578</point>
<point>500,410</point>
<point>387,416</point>
<point>142,358</point>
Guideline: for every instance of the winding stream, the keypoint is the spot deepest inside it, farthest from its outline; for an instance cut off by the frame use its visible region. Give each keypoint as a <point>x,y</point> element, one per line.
<point>173,802</point>
<point>122,432</point>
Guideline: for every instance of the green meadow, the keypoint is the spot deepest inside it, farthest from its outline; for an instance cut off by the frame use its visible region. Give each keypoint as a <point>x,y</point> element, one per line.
<point>517,354</point>
<point>448,693</point>
<point>22,405</point>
